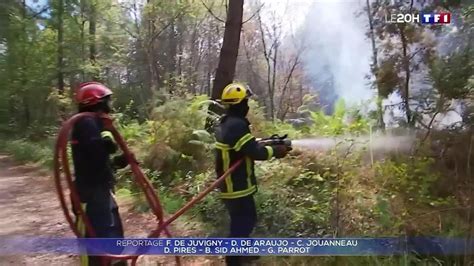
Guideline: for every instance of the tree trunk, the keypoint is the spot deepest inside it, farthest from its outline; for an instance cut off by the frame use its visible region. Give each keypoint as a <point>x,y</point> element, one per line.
<point>271,63</point>
<point>272,93</point>
<point>380,122</point>
<point>92,44</point>
<point>406,85</point>
<point>284,109</point>
<point>26,109</point>
<point>150,54</point>
<point>193,65</point>
<point>180,28</point>
<point>171,56</point>
<point>83,40</point>
<point>209,62</point>
<point>26,106</point>
<point>5,35</point>
<point>228,54</point>
<point>301,95</point>
<point>60,10</point>
<point>230,48</point>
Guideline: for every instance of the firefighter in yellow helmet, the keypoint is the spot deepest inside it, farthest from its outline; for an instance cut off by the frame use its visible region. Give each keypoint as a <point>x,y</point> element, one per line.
<point>235,141</point>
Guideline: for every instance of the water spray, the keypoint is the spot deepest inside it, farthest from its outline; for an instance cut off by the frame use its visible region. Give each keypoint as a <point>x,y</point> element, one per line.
<point>381,144</point>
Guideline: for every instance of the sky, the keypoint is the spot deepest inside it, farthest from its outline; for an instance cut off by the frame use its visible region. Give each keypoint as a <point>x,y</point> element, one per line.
<point>293,12</point>
<point>36,4</point>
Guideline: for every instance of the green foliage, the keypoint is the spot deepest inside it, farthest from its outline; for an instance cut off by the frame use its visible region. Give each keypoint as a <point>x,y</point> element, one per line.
<point>211,210</point>
<point>60,100</point>
<point>387,78</point>
<point>176,139</point>
<point>343,121</point>
<point>27,151</point>
<point>300,192</point>
<point>135,133</point>
<point>414,179</point>
<point>451,74</point>
<point>307,105</point>
<point>171,201</point>
<point>325,124</point>
<point>129,190</point>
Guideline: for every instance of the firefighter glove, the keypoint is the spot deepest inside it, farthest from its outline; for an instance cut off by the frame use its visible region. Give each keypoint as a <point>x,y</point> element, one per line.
<point>280,151</point>
<point>109,142</point>
<point>120,161</point>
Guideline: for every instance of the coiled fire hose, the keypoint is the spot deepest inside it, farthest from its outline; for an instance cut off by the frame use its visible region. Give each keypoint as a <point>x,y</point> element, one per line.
<point>61,165</point>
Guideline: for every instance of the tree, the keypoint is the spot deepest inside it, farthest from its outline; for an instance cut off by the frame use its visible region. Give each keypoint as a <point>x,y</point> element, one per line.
<point>272,63</point>
<point>286,87</point>
<point>403,51</point>
<point>451,74</point>
<point>270,53</point>
<point>60,43</point>
<point>375,64</point>
<point>5,44</point>
<point>230,48</point>
<point>228,55</point>
<point>92,37</point>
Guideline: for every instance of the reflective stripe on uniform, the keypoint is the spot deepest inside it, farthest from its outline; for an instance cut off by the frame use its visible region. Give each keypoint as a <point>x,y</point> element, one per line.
<point>84,260</point>
<point>241,142</point>
<point>238,145</point>
<point>270,152</point>
<point>228,179</point>
<point>238,194</point>
<point>222,146</point>
<point>248,164</point>
<point>225,148</point>
<point>81,228</point>
<point>106,134</point>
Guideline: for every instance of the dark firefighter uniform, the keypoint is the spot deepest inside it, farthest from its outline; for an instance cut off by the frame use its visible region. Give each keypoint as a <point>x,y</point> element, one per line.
<point>91,149</point>
<point>234,141</point>
<point>92,146</point>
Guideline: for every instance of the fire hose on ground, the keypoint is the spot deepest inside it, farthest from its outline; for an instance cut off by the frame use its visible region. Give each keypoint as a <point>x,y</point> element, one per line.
<point>61,165</point>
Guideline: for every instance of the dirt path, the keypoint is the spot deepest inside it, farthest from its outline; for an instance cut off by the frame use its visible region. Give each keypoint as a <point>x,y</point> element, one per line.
<point>29,207</point>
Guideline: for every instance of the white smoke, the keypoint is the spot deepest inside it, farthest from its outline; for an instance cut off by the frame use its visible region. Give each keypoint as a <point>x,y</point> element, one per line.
<point>336,41</point>
<point>334,32</point>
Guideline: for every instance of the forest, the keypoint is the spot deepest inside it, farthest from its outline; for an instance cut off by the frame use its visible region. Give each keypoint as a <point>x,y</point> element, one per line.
<point>396,101</point>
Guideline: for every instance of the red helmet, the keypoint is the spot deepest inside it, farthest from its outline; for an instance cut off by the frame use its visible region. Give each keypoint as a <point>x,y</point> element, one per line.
<point>90,93</point>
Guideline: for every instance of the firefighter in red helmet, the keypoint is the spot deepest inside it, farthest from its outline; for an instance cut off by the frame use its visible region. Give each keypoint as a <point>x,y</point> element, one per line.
<point>92,147</point>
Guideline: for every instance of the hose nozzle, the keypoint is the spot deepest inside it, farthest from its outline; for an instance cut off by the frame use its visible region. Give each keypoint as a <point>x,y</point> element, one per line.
<point>275,139</point>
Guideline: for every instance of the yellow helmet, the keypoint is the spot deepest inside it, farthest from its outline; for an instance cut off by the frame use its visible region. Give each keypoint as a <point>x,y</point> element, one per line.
<point>235,93</point>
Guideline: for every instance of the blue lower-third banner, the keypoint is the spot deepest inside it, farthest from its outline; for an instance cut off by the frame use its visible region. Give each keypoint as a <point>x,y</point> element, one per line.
<point>10,245</point>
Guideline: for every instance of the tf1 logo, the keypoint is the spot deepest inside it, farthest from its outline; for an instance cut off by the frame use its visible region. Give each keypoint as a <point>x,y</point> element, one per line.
<point>423,18</point>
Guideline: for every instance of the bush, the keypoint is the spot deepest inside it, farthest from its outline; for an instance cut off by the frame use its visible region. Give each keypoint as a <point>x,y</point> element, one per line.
<point>26,151</point>
<point>297,195</point>
<point>176,139</point>
<point>415,179</point>
<point>262,127</point>
<point>343,121</point>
